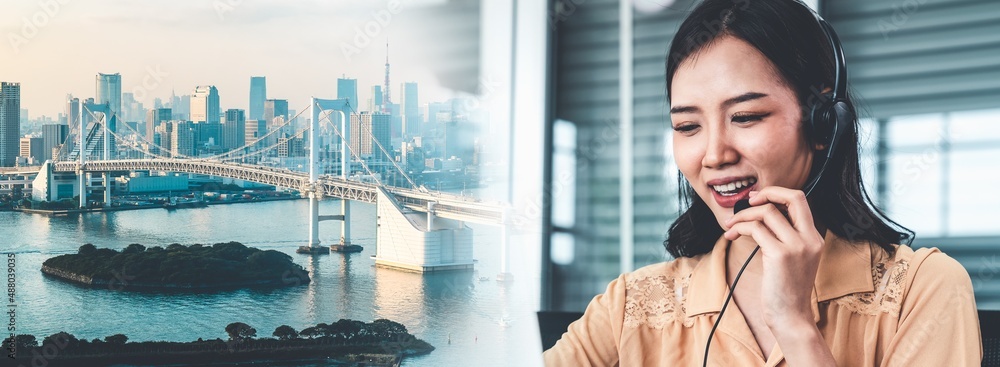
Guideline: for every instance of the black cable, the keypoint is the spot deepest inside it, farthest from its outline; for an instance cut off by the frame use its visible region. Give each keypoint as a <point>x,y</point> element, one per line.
<point>726,303</point>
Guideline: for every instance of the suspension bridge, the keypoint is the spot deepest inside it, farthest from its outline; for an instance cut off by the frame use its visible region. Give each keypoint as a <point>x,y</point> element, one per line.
<point>417,229</point>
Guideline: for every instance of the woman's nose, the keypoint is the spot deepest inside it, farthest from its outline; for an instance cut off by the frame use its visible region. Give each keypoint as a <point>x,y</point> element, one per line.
<point>719,152</point>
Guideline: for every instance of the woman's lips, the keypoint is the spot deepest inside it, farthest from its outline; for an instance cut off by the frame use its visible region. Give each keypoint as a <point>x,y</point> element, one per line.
<point>730,201</point>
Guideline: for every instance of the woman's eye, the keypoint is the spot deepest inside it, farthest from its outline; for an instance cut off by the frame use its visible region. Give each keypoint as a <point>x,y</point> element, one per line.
<point>744,118</point>
<point>685,128</point>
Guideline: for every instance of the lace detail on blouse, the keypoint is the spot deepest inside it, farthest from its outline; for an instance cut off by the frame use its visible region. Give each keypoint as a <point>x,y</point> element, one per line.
<point>889,277</point>
<point>656,300</point>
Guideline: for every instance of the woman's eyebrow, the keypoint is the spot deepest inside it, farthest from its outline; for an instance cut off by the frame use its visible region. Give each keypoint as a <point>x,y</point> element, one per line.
<point>748,96</point>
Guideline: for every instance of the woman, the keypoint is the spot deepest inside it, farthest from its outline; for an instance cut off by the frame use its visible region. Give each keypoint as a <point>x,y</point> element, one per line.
<point>831,285</point>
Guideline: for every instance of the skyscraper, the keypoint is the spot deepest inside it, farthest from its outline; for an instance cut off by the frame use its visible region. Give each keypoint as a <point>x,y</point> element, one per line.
<point>348,88</point>
<point>156,117</point>
<point>365,128</point>
<point>258,94</point>
<point>205,115</point>
<point>73,111</point>
<point>53,135</point>
<point>31,148</point>
<point>273,109</point>
<point>233,129</point>
<point>109,90</point>
<point>205,104</point>
<point>183,138</point>
<point>254,129</point>
<point>10,123</point>
<point>411,111</point>
<point>375,103</point>
<point>163,137</point>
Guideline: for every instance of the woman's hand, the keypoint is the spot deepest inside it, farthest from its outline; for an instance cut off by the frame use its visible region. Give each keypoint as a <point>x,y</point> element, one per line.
<point>790,245</point>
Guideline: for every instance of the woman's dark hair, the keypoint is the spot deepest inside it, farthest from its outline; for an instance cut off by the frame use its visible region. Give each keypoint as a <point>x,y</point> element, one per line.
<point>787,34</point>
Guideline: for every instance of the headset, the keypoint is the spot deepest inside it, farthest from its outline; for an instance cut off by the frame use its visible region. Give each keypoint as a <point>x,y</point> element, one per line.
<point>827,121</point>
<point>831,116</point>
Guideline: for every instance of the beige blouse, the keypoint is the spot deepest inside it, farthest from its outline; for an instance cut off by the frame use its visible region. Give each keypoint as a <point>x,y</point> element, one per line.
<point>915,308</point>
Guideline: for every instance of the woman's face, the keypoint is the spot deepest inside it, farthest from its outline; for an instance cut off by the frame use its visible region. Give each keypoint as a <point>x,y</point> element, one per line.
<point>737,125</point>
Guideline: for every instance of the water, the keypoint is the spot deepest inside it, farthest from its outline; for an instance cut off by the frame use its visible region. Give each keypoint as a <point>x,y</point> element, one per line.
<point>489,323</point>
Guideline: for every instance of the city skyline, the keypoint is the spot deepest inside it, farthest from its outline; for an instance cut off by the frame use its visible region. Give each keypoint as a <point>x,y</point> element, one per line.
<point>324,42</point>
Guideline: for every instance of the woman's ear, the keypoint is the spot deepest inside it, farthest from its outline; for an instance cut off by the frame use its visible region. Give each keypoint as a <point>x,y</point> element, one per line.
<point>819,147</point>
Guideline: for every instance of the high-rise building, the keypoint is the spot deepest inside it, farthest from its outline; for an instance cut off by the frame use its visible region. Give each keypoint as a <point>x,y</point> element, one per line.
<point>132,109</point>
<point>183,138</point>
<point>233,129</point>
<point>275,114</point>
<point>365,128</point>
<point>258,94</point>
<point>254,129</point>
<point>348,88</point>
<point>53,135</point>
<point>375,103</point>
<point>395,111</point>
<point>155,117</point>
<point>32,148</point>
<point>275,108</point>
<point>181,106</point>
<point>109,90</point>
<point>163,136</point>
<point>411,120</point>
<point>10,123</point>
<point>73,112</point>
<point>205,104</point>
<point>290,147</point>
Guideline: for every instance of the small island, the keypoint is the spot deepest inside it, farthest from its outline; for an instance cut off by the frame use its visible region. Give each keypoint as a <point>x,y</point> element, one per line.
<point>379,343</point>
<point>196,267</point>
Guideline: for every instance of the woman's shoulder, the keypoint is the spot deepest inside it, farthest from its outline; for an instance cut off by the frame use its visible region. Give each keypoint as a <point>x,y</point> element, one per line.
<point>902,274</point>
<point>930,267</point>
<point>925,260</point>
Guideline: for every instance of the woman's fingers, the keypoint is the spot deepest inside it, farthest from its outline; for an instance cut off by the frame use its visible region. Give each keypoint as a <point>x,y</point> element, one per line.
<point>758,231</point>
<point>795,200</point>
<point>772,217</point>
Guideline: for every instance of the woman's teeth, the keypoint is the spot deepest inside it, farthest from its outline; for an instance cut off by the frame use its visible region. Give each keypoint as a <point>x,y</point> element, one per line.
<point>732,188</point>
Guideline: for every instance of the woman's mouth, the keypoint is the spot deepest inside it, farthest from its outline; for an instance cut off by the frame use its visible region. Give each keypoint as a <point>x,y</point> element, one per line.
<point>734,188</point>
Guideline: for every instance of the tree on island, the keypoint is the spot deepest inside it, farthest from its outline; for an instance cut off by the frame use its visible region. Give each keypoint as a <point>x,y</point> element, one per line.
<point>240,331</point>
<point>87,249</point>
<point>134,248</point>
<point>229,264</point>
<point>285,332</point>
<point>117,339</point>
<point>364,338</point>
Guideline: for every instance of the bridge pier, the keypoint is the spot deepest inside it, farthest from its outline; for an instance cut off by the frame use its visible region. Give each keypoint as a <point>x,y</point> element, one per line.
<point>82,176</point>
<point>504,275</point>
<point>345,227</point>
<point>313,247</point>
<point>107,189</point>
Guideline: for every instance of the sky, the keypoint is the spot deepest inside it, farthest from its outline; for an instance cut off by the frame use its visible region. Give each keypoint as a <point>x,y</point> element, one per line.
<point>57,47</point>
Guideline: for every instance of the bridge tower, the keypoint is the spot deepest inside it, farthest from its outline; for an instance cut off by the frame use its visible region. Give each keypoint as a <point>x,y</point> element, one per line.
<point>81,172</point>
<point>108,114</point>
<point>314,190</point>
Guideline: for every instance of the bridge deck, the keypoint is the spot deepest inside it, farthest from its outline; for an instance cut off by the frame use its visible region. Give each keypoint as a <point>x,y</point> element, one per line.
<point>447,205</point>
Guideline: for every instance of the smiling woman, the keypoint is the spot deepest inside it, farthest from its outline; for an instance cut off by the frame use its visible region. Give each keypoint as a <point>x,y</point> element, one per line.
<point>760,112</point>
